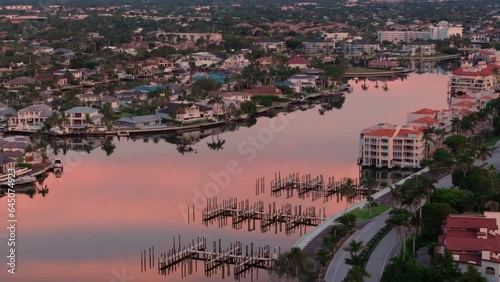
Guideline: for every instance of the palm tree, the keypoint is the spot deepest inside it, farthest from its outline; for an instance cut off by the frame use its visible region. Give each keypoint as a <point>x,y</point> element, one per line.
<point>370,182</point>
<point>491,171</point>
<point>217,100</point>
<point>426,184</point>
<point>399,219</point>
<point>428,140</point>
<point>88,120</point>
<point>415,222</point>
<point>396,194</point>
<point>483,153</point>
<point>455,124</point>
<point>348,190</point>
<point>440,133</point>
<point>290,265</point>
<point>464,161</point>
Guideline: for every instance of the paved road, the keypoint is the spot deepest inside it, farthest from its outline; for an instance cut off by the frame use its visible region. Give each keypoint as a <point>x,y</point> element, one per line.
<point>337,270</point>
<point>388,247</point>
<point>381,256</point>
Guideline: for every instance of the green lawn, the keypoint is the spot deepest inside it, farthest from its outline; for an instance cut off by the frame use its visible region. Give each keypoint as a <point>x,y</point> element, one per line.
<point>123,114</point>
<point>365,70</point>
<point>362,214</point>
<point>492,141</point>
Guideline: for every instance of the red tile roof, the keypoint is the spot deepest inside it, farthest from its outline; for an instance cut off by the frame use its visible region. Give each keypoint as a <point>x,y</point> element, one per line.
<point>297,61</point>
<point>465,112</point>
<point>470,221</point>
<point>383,132</point>
<point>425,111</point>
<point>484,71</point>
<point>406,132</point>
<point>465,104</point>
<point>464,96</point>
<point>426,120</point>
<point>264,90</point>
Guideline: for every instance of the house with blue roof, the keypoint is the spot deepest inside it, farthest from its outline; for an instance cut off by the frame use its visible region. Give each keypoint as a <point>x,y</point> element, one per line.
<point>149,88</point>
<point>139,121</point>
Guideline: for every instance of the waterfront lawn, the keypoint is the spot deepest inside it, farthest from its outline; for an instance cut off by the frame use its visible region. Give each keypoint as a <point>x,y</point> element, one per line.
<point>362,214</point>
<point>365,70</point>
<point>123,115</point>
<point>492,141</point>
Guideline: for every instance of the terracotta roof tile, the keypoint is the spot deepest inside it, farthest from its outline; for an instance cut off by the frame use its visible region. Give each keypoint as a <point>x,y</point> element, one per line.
<point>425,111</point>
<point>426,120</point>
<point>383,132</point>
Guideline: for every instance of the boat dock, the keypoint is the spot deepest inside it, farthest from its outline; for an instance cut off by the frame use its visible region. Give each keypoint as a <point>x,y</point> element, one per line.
<point>242,212</point>
<point>307,185</point>
<point>244,259</point>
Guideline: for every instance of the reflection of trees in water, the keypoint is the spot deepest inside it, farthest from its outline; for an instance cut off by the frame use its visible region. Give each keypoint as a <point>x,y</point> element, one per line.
<point>107,146</point>
<point>251,121</point>
<point>443,66</point>
<point>329,103</point>
<point>216,145</point>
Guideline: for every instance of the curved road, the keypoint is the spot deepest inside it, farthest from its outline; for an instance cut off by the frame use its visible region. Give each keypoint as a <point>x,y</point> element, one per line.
<point>388,246</point>
<point>337,270</point>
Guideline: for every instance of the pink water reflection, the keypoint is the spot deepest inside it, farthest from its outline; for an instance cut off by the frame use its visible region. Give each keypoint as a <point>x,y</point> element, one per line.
<point>100,215</point>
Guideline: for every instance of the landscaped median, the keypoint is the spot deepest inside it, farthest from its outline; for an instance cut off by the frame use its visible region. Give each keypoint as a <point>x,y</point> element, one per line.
<point>364,212</point>
<point>372,244</point>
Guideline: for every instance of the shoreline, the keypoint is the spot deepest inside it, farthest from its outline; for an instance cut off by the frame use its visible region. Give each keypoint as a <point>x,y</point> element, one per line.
<point>175,129</point>
<point>307,238</point>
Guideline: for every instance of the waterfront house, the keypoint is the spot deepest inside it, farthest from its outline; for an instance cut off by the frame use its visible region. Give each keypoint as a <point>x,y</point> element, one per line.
<point>32,115</point>
<point>80,116</point>
<point>186,112</point>
<point>7,163</point>
<point>473,240</point>
<point>385,64</point>
<point>237,96</point>
<point>388,146</point>
<point>301,81</point>
<point>265,90</point>
<point>139,121</point>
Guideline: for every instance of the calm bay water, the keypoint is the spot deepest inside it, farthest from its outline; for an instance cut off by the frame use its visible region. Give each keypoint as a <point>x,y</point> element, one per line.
<point>105,209</point>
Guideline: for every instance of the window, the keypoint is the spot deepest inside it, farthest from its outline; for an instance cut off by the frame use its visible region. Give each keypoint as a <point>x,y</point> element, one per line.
<point>490,270</point>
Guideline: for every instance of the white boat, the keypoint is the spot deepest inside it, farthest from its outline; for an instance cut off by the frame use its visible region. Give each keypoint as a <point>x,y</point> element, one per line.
<point>58,163</point>
<point>122,133</point>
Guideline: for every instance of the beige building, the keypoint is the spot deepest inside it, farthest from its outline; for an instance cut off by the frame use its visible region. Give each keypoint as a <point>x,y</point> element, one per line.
<point>270,44</point>
<point>83,116</point>
<point>35,114</point>
<point>472,79</point>
<point>389,146</point>
<point>194,37</point>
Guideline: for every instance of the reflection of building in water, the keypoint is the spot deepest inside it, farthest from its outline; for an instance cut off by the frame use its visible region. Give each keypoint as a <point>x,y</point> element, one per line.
<point>83,144</point>
<point>385,177</point>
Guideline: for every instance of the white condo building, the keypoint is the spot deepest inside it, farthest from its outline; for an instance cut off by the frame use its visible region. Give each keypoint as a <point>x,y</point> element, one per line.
<point>388,146</point>
<point>444,30</point>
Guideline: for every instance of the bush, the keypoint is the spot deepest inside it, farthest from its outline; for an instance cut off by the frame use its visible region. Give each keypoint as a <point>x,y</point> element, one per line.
<point>25,165</point>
